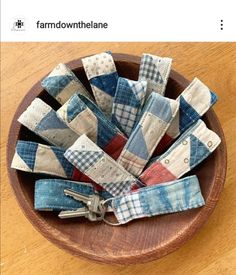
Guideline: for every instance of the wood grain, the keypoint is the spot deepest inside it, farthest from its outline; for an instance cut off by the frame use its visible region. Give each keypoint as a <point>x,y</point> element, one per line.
<point>25,251</point>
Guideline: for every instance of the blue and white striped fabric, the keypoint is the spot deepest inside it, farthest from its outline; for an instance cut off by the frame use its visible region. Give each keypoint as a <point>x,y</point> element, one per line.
<point>101,72</point>
<point>155,70</point>
<point>49,194</point>
<point>157,114</point>
<point>41,119</point>
<point>170,197</point>
<point>62,83</point>
<point>39,158</point>
<point>194,102</point>
<point>127,104</point>
<point>190,149</point>
<point>100,167</point>
<point>84,117</point>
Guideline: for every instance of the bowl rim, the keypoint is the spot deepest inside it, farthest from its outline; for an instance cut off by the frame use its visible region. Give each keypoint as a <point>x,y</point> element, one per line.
<point>65,243</point>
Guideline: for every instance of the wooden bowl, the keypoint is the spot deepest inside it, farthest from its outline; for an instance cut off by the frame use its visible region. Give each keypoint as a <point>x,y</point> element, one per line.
<point>141,240</point>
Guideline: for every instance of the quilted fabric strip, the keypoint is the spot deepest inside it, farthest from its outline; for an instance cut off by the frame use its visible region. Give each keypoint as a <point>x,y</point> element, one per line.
<point>157,114</point>
<point>196,144</point>
<point>101,72</point>
<point>49,194</point>
<point>100,167</point>
<point>41,119</point>
<point>155,70</point>
<point>62,83</point>
<point>39,158</point>
<point>194,102</point>
<point>127,104</point>
<point>170,197</point>
<point>84,117</point>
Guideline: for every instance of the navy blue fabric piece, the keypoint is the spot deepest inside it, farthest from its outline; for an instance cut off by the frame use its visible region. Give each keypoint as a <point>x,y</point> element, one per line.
<point>27,151</point>
<point>198,151</point>
<point>187,115</point>
<point>106,131</point>
<point>214,98</point>
<point>55,84</point>
<point>107,82</point>
<point>49,122</point>
<point>67,166</point>
<point>76,106</point>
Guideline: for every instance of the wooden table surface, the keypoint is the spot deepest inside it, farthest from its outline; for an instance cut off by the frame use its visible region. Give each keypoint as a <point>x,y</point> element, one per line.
<point>211,251</point>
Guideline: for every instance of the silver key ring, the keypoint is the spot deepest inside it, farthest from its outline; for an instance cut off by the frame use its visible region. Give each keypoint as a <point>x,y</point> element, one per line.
<point>103,210</point>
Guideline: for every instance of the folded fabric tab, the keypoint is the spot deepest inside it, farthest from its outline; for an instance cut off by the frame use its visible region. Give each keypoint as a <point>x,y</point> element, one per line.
<point>196,144</point>
<point>39,158</point>
<point>41,119</point>
<point>157,114</point>
<point>84,117</point>
<point>102,75</point>
<point>100,167</point>
<point>155,70</point>
<point>127,104</point>
<point>49,194</point>
<point>62,83</point>
<point>194,102</point>
<point>171,197</point>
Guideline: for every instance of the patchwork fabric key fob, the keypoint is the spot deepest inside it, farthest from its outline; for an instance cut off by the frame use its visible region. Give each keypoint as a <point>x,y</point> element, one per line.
<point>49,194</point>
<point>194,102</point>
<point>127,104</point>
<point>39,158</point>
<point>41,119</point>
<point>170,197</point>
<point>84,117</point>
<point>62,83</point>
<point>100,167</point>
<point>191,148</point>
<point>102,75</point>
<point>155,70</point>
<point>157,114</point>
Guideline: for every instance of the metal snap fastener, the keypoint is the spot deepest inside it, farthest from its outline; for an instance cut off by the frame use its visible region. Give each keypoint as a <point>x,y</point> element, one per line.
<point>167,161</point>
<point>186,160</point>
<point>209,143</point>
<point>184,142</point>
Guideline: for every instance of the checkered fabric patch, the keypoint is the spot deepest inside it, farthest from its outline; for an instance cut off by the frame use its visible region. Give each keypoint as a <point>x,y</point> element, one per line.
<point>100,167</point>
<point>194,102</point>
<point>101,72</point>
<point>83,159</point>
<point>127,103</point>
<point>155,70</point>
<point>158,112</point>
<point>62,83</point>
<point>39,158</point>
<point>171,197</point>
<point>41,119</point>
<point>197,143</point>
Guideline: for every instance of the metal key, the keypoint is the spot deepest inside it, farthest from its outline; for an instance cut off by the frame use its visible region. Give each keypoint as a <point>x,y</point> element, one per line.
<point>80,212</point>
<point>91,201</point>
